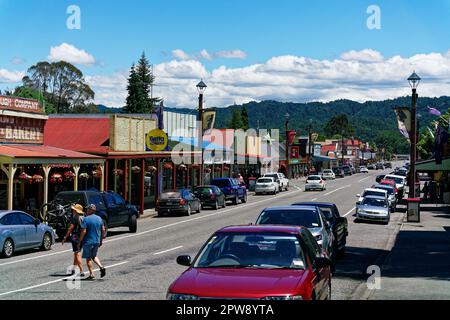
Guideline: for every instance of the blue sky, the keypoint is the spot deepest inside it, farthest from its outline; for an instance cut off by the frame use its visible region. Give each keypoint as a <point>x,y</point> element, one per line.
<point>116,32</point>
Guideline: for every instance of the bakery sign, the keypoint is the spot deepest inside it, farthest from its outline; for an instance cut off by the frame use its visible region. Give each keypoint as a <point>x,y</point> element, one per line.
<point>21,130</point>
<point>20,104</point>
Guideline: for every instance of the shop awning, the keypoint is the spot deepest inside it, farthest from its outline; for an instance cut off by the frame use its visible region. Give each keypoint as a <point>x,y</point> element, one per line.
<point>430,165</point>
<point>323,158</point>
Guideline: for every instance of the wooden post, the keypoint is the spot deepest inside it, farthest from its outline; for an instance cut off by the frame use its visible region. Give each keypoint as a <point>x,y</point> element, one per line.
<point>174,177</point>
<point>102,179</point>
<point>10,172</point>
<point>125,180</point>
<point>46,170</point>
<point>115,176</point>
<point>188,170</point>
<point>142,194</point>
<point>158,176</point>
<point>106,177</point>
<point>76,169</point>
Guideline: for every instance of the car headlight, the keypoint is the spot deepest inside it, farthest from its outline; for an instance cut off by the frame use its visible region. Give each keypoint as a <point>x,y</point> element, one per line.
<point>283,298</point>
<point>180,296</point>
<point>361,211</point>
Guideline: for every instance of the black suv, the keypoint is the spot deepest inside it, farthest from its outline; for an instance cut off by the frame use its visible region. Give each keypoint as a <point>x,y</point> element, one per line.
<point>111,207</point>
<point>347,170</point>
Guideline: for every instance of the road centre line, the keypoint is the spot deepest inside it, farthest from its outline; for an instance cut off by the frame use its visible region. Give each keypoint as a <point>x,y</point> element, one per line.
<point>350,211</point>
<point>168,250</point>
<point>365,178</point>
<point>327,194</point>
<point>56,281</point>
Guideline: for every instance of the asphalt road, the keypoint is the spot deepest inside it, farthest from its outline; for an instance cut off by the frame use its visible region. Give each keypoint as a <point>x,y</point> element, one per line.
<point>142,265</point>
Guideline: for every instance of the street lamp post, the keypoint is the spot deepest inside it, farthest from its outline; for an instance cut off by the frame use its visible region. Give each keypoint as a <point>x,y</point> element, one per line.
<point>286,125</point>
<point>342,148</point>
<point>309,146</point>
<point>201,87</point>
<point>414,81</point>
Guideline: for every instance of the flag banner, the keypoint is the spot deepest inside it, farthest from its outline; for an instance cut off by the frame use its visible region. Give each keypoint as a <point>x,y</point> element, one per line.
<point>434,111</point>
<point>404,121</point>
<point>291,136</point>
<point>295,153</point>
<point>209,118</point>
<point>441,138</point>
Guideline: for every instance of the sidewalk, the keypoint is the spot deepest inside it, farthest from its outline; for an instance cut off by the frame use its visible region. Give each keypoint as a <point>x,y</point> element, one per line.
<point>418,266</point>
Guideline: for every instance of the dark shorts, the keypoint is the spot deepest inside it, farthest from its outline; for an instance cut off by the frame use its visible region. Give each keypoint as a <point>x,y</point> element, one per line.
<point>90,251</point>
<point>75,248</point>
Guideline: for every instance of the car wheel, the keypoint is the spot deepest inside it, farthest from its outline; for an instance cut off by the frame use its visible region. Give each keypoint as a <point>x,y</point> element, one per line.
<point>8,248</point>
<point>105,223</point>
<point>133,224</point>
<point>236,200</point>
<point>244,200</point>
<point>216,205</point>
<point>46,242</point>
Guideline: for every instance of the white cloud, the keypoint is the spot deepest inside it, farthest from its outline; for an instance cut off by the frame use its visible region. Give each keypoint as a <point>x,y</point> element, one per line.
<point>180,54</point>
<point>232,54</point>
<point>71,54</point>
<point>366,55</point>
<point>17,60</point>
<point>288,78</point>
<point>205,55</point>
<point>7,76</point>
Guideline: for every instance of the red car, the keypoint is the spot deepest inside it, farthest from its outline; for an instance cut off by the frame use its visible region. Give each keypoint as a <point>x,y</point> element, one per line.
<point>256,262</point>
<point>391,183</point>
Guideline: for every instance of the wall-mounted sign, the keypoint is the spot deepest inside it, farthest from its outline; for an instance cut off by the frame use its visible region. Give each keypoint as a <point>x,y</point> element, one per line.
<point>295,152</point>
<point>21,130</point>
<point>156,140</point>
<point>20,104</point>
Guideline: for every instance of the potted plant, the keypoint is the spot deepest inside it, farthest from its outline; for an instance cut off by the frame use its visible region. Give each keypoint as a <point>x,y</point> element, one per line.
<point>56,178</point>
<point>84,176</point>
<point>69,175</point>
<point>38,178</point>
<point>136,169</point>
<point>167,166</point>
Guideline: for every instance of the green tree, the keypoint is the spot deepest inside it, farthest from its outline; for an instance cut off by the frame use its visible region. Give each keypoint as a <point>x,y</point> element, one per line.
<point>244,117</point>
<point>29,93</point>
<point>135,93</point>
<point>236,120</point>
<point>339,125</point>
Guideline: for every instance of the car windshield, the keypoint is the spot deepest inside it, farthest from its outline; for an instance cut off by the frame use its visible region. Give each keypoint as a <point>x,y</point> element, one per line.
<point>314,178</point>
<point>373,193</point>
<point>374,202</point>
<point>264,180</point>
<point>275,176</point>
<point>327,171</point>
<point>252,250</point>
<point>221,183</point>
<point>171,195</point>
<point>389,190</point>
<point>203,190</point>
<point>297,217</point>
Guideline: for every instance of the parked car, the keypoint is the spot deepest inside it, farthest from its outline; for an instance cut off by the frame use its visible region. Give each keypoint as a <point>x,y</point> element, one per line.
<point>231,188</point>
<point>256,262</point>
<point>373,208</point>
<point>371,192</point>
<point>315,183</point>
<point>363,169</point>
<point>266,185</point>
<point>388,165</point>
<point>20,231</point>
<point>392,198</point>
<point>400,183</point>
<point>111,207</point>
<point>347,170</point>
<point>401,172</point>
<point>371,167</point>
<point>338,224</point>
<point>210,196</point>
<point>328,174</point>
<point>280,178</point>
<point>390,183</point>
<point>180,201</point>
<point>380,166</point>
<point>303,216</point>
<point>379,177</point>
<point>352,168</point>
<point>339,172</point>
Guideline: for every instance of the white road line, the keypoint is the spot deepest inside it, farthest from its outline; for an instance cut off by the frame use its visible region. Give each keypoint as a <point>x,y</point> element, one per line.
<point>365,178</point>
<point>55,281</point>
<point>168,250</point>
<point>327,194</point>
<point>314,199</point>
<point>350,211</point>
<point>220,212</point>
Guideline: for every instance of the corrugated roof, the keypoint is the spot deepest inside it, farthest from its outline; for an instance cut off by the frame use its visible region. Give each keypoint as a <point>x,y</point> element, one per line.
<point>80,134</point>
<point>41,151</point>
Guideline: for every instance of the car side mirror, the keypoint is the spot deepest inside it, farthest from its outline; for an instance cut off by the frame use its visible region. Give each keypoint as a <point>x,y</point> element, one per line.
<point>322,262</point>
<point>358,195</point>
<point>184,261</point>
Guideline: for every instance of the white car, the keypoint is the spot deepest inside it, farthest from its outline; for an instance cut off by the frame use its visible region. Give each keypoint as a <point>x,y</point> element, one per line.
<point>400,183</point>
<point>328,174</point>
<point>280,178</point>
<point>371,192</point>
<point>266,185</point>
<point>315,182</point>
<point>363,169</point>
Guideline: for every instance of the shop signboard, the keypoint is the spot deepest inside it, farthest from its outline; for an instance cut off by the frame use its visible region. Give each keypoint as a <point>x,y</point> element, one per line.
<point>20,104</point>
<point>156,140</point>
<point>21,130</point>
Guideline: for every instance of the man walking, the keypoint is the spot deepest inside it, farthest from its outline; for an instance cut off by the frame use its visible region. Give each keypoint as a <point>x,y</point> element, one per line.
<point>92,234</point>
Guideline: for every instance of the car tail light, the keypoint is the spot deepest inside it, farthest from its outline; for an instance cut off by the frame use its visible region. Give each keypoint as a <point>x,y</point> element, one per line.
<point>182,202</point>
<point>213,196</point>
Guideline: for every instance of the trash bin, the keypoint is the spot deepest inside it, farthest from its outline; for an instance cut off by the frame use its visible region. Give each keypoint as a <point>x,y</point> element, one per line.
<point>251,183</point>
<point>413,209</point>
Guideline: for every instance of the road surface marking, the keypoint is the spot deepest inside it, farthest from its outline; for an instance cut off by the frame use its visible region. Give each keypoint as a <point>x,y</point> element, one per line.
<point>33,258</point>
<point>327,194</point>
<point>55,281</point>
<point>168,250</point>
<point>349,212</point>
<point>365,178</point>
<point>314,199</point>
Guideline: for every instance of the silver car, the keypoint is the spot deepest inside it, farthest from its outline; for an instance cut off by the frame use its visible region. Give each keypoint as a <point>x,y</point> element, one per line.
<point>373,208</point>
<point>20,231</point>
<point>306,216</point>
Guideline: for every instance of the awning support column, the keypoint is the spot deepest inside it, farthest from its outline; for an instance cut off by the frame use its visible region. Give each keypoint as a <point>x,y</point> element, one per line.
<point>76,169</point>
<point>46,170</point>
<point>102,178</point>
<point>10,172</point>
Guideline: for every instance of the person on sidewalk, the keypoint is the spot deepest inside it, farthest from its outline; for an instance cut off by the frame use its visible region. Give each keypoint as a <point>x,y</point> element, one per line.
<point>74,232</point>
<point>92,234</point>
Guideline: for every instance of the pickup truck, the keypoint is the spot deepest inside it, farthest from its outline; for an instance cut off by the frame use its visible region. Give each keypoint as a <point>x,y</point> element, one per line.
<point>111,207</point>
<point>232,189</point>
<point>280,178</point>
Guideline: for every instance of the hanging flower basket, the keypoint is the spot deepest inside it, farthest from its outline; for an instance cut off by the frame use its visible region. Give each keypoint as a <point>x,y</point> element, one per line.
<point>56,178</point>
<point>151,169</point>
<point>38,178</point>
<point>207,170</point>
<point>97,173</point>
<point>136,169</point>
<point>226,168</point>
<point>168,166</point>
<point>69,176</point>
<point>84,176</point>
<point>217,169</point>
<point>24,177</point>
<point>182,167</point>
<point>118,172</point>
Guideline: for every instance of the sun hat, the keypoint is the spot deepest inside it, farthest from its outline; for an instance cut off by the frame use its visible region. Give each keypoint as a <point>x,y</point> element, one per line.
<point>78,208</point>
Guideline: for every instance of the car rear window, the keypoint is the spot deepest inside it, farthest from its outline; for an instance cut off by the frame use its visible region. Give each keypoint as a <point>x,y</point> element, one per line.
<point>203,190</point>
<point>264,180</point>
<point>305,218</point>
<point>374,202</point>
<point>373,193</point>
<point>170,195</point>
<point>221,183</point>
<point>314,178</point>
